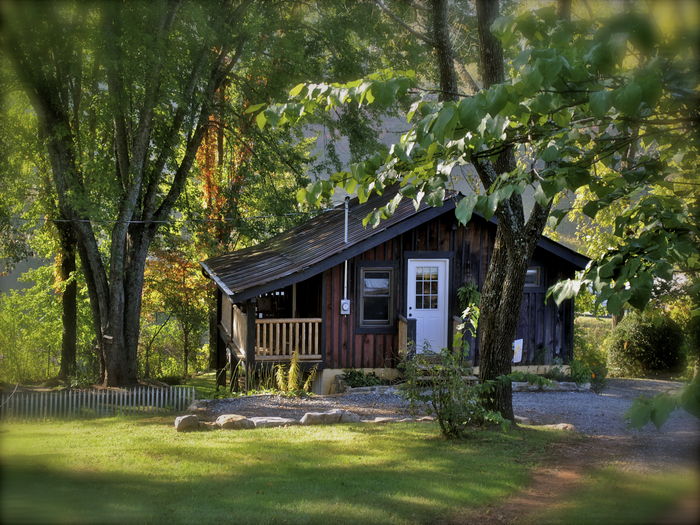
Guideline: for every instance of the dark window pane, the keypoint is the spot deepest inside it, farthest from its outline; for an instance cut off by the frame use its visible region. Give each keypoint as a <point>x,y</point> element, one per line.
<point>434,287</point>
<point>376,309</point>
<point>532,277</point>
<point>433,302</point>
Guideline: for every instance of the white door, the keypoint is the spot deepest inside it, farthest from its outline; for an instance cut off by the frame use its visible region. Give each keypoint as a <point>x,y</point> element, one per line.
<point>427,302</point>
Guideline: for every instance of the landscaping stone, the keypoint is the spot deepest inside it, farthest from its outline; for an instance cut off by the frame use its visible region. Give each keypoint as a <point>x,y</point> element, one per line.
<point>380,420</point>
<point>187,423</point>
<point>561,426</point>
<point>426,419</point>
<point>272,421</point>
<point>521,420</point>
<point>349,417</point>
<point>234,422</point>
<point>321,418</point>
<point>198,405</point>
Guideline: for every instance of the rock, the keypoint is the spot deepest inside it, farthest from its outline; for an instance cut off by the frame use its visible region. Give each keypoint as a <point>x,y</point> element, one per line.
<point>187,423</point>
<point>273,421</point>
<point>519,386</point>
<point>568,385</point>
<point>583,387</point>
<point>207,425</point>
<point>380,420</point>
<point>426,419</point>
<point>561,426</point>
<point>521,420</point>
<point>234,422</point>
<point>321,418</point>
<point>349,417</point>
<point>198,405</point>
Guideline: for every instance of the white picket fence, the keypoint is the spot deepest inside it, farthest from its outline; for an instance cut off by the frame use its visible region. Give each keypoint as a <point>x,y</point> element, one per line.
<point>93,403</point>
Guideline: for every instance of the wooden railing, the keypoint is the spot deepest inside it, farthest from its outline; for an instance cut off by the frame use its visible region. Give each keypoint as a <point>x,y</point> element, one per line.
<point>407,334</point>
<point>277,339</point>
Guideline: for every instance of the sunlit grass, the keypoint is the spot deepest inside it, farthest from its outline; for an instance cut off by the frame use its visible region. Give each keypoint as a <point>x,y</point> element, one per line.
<point>140,469</point>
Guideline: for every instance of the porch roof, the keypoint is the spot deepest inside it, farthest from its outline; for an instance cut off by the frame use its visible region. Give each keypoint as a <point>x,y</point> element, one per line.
<point>318,244</point>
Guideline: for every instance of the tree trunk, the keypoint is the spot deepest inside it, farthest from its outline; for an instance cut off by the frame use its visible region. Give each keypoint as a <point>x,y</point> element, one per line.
<point>69,297</point>
<point>443,50</point>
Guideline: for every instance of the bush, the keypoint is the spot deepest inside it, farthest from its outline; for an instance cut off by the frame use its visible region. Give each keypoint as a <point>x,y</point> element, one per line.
<point>355,378</point>
<point>589,363</point>
<point>643,344</point>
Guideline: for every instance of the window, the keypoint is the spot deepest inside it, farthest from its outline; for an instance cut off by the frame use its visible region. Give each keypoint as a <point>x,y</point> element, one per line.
<point>376,285</point>
<point>533,277</point>
<point>427,288</point>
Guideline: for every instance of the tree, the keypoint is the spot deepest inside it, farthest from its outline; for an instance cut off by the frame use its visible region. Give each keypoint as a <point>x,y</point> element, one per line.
<point>123,93</point>
<point>578,97</point>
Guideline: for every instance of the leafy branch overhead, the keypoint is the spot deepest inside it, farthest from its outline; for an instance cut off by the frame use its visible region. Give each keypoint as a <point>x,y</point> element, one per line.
<point>607,106</point>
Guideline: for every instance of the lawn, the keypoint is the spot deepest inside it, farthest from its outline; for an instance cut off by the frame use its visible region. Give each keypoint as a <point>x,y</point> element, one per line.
<point>141,470</point>
<point>617,495</point>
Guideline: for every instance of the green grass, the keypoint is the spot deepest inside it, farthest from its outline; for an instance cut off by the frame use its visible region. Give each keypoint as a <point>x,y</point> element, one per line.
<point>204,385</point>
<point>611,495</point>
<point>141,470</point>
<point>596,329</point>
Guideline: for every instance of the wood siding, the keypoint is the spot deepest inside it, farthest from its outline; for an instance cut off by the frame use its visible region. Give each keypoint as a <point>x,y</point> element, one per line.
<point>547,331</point>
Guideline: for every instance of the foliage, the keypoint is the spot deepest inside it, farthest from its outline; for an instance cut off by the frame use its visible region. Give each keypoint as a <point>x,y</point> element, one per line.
<point>657,409</point>
<point>568,82</point>
<point>290,379</point>
<point>356,378</point>
<point>445,389</point>
<point>30,324</point>
<point>589,363</point>
<point>643,344</point>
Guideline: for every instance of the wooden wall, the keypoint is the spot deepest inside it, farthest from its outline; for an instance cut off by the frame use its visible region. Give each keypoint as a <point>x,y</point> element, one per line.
<point>469,249</point>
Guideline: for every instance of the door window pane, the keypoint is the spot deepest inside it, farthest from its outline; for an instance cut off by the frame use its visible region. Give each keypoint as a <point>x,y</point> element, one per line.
<point>427,287</point>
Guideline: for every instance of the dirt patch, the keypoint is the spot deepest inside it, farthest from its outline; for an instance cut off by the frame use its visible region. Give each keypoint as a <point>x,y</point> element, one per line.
<point>549,484</point>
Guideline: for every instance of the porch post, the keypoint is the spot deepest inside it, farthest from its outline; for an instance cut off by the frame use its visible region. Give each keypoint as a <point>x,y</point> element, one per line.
<point>219,351</point>
<point>249,343</point>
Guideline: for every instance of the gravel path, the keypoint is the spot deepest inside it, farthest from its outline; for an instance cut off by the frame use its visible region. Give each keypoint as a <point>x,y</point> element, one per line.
<point>599,416</point>
<point>367,405</point>
<point>602,416</point>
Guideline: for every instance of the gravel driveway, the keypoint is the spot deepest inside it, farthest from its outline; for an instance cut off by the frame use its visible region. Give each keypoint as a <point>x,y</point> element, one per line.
<point>598,415</point>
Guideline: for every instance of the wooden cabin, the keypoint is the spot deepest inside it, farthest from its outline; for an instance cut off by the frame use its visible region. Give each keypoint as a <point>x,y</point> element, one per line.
<point>359,303</point>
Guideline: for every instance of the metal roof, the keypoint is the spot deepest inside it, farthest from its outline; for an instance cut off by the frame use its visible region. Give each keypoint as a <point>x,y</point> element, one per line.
<point>318,244</point>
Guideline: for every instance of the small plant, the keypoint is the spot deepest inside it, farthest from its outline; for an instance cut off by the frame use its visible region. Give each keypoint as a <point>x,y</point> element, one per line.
<point>356,378</point>
<point>589,363</point>
<point>290,379</point>
<point>557,373</point>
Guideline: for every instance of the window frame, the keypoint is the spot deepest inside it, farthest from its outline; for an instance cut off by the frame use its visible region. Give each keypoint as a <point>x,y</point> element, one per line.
<point>539,276</point>
<point>362,326</point>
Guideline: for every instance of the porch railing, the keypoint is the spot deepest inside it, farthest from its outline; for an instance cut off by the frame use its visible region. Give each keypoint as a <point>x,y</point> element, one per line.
<point>277,339</point>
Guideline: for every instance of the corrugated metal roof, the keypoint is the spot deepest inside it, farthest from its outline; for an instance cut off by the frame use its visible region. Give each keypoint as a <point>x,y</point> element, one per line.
<point>304,246</point>
<point>318,244</point>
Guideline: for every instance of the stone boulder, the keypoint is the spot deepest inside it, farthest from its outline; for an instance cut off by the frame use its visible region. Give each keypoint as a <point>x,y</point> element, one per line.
<point>522,420</point>
<point>273,421</point>
<point>187,423</point>
<point>330,417</point>
<point>561,426</point>
<point>234,422</point>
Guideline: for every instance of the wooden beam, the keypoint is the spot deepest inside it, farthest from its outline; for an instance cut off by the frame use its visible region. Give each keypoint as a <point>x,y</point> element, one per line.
<point>249,343</point>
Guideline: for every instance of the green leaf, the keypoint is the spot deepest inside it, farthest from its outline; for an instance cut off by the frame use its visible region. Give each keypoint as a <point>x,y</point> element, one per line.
<point>599,102</point>
<point>550,154</point>
<point>296,90</point>
<point>253,108</point>
<point>470,114</point>
<point>444,123</point>
<point>639,413</point>
<point>628,98</point>
<point>465,208</point>
<point>260,120</point>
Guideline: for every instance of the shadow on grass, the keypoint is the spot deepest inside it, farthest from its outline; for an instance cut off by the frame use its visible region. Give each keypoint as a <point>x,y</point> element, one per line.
<point>349,474</point>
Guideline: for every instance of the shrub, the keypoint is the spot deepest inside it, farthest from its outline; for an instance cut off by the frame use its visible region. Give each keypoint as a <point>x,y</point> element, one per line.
<point>643,344</point>
<point>290,379</point>
<point>457,404</point>
<point>589,363</point>
<point>355,378</point>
